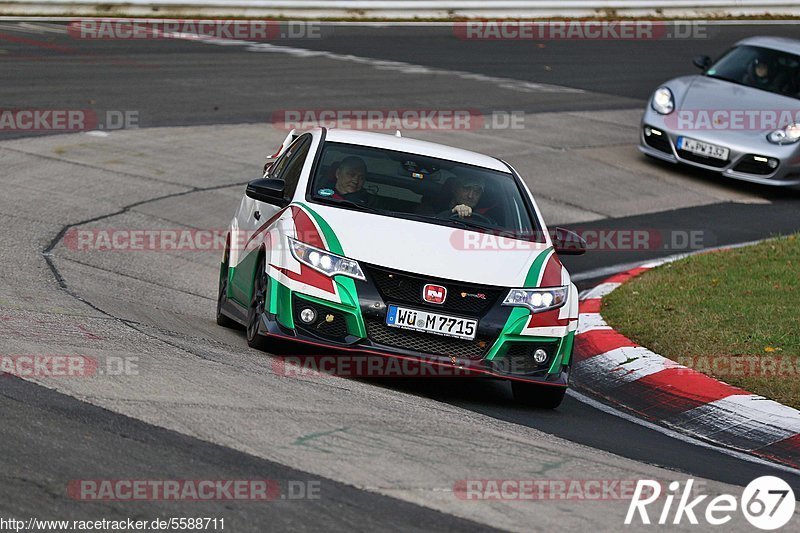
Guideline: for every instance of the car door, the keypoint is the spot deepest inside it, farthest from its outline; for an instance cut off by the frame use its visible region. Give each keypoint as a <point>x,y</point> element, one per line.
<point>253,214</point>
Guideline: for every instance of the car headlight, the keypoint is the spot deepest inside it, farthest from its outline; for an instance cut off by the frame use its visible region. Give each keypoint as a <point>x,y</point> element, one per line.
<point>663,101</point>
<point>324,261</point>
<point>788,135</point>
<point>537,300</point>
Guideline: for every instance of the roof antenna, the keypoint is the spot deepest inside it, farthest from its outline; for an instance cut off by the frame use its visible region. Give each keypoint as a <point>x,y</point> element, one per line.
<point>397,133</point>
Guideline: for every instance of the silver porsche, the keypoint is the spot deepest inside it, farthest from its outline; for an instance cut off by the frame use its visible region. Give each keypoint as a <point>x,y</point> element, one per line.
<point>740,117</point>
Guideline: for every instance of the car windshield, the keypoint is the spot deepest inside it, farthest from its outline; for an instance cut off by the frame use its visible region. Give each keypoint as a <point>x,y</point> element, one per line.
<point>422,188</point>
<point>762,68</point>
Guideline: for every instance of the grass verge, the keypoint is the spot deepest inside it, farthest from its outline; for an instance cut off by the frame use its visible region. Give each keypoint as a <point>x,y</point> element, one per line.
<point>734,315</point>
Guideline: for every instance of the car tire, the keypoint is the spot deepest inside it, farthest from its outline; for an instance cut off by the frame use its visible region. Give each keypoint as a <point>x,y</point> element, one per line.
<point>540,396</point>
<point>222,296</point>
<point>256,309</point>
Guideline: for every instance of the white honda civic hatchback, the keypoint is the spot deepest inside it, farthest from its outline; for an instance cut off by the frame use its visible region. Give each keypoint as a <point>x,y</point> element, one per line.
<point>382,245</point>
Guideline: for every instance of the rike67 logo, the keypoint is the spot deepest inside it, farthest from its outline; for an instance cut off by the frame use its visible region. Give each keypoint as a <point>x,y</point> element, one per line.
<point>767,503</point>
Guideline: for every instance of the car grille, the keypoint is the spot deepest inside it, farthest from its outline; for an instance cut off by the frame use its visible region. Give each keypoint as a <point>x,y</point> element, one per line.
<point>518,359</point>
<point>659,142</point>
<point>749,165</point>
<point>427,343</point>
<point>335,329</point>
<point>398,287</point>
<point>708,161</point>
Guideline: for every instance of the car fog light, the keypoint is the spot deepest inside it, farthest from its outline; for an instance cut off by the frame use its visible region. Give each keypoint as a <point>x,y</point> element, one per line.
<point>772,163</point>
<point>648,131</point>
<point>540,356</point>
<point>308,315</point>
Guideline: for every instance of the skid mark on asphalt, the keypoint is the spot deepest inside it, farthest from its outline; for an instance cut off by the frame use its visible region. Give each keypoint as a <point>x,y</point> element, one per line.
<point>367,441</point>
<point>306,439</point>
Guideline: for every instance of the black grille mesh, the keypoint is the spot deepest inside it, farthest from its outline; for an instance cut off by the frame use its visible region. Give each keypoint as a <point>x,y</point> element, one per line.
<point>659,142</point>
<point>427,343</point>
<point>749,165</point>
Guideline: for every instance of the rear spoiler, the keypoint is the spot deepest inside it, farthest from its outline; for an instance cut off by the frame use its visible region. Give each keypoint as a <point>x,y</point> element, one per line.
<point>282,148</point>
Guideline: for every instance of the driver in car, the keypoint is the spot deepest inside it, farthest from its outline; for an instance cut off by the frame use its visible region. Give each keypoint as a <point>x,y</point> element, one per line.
<point>759,74</point>
<point>466,195</point>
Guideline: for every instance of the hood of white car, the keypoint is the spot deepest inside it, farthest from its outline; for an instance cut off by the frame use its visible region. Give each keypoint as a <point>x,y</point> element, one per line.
<point>431,249</point>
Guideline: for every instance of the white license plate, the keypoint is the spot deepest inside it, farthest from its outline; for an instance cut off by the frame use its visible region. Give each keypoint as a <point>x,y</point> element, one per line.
<point>417,320</point>
<point>702,148</point>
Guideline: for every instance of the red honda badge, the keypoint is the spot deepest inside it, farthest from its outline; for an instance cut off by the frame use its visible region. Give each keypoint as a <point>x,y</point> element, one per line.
<point>434,294</point>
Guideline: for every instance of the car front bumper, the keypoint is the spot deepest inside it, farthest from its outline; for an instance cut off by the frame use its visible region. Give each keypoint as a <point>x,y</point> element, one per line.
<point>357,326</point>
<point>747,160</point>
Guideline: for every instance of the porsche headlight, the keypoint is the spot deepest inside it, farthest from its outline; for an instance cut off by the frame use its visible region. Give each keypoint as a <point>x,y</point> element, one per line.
<point>537,300</point>
<point>788,135</point>
<point>324,261</point>
<point>663,101</point>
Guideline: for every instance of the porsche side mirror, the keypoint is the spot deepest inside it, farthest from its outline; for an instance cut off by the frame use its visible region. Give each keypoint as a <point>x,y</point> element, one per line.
<point>702,62</point>
<point>568,242</point>
<point>267,190</point>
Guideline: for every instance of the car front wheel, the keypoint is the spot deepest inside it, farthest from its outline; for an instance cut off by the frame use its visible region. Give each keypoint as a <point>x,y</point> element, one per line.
<point>222,296</point>
<point>257,306</point>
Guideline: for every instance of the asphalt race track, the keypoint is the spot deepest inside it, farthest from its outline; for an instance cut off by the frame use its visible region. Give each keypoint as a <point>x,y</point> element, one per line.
<point>197,403</point>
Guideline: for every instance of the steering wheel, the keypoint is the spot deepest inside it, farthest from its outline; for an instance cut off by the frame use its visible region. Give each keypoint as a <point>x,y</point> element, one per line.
<point>476,216</point>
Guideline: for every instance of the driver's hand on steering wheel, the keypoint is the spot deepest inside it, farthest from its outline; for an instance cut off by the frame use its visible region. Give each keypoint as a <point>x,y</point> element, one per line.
<point>462,211</point>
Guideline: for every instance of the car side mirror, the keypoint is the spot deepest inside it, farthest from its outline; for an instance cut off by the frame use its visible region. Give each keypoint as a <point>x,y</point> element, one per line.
<point>568,242</point>
<point>267,190</point>
<point>702,62</point>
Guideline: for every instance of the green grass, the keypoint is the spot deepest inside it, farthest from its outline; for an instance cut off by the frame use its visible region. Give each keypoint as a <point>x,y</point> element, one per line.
<point>734,315</point>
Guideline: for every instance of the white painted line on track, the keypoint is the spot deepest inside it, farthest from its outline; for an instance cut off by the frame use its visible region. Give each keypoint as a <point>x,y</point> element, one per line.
<point>676,435</point>
<point>44,28</point>
<point>379,64</point>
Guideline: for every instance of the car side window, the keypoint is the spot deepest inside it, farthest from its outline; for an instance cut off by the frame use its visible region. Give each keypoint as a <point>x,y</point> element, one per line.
<point>292,165</point>
<point>280,164</point>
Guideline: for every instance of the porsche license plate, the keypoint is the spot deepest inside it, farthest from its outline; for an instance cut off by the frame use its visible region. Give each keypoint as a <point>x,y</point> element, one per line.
<point>436,323</point>
<point>702,148</point>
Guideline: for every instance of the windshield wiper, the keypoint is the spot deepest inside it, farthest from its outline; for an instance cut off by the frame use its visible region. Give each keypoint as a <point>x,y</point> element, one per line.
<point>469,224</point>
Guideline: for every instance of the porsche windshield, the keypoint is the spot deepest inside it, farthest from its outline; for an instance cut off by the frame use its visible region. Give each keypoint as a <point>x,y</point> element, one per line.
<point>422,188</point>
<point>762,68</point>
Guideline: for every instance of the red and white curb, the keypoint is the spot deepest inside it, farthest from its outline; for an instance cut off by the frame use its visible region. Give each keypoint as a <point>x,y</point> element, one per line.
<point>609,365</point>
